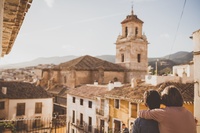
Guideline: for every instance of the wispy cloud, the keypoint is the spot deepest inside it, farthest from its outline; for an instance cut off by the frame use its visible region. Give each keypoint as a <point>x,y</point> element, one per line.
<point>99,18</point>
<point>165,35</point>
<point>43,30</point>
<point>49,3</point>
<point>139,1</point>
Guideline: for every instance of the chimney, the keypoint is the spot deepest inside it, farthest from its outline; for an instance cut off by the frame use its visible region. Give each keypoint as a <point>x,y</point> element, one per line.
<point>4,90</point>
<point>110,85</point>
<point>95,82</point>
<point>133,83</point>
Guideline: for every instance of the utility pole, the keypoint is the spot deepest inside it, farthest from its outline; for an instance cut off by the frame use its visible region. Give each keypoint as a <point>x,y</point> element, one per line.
<point>156,66</point>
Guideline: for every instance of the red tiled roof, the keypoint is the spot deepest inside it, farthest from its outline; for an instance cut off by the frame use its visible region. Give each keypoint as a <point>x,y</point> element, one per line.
<point>90,63</point>
<point>131,18</point>
<point>59,90</point>
<point>136,94</point>
<point>88,91</point>
<point>22,90</point>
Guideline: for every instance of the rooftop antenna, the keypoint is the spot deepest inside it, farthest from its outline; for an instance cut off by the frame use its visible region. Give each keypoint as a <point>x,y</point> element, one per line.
<point>132,8</point>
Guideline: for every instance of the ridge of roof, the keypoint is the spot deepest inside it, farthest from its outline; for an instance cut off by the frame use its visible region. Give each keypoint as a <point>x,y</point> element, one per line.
<point>88,62</point>
<point>87,91</point>
<point>131,18</point>
<point>136,94</point>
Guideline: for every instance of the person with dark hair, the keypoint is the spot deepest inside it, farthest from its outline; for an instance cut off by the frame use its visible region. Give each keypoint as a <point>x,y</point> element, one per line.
<point>151,100</point>
<point>124,128</point>
<point>131,127</point>
<point>174,118</point>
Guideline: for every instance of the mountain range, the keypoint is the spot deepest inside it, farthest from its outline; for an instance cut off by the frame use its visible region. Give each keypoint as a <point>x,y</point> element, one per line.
<point>181,57</point>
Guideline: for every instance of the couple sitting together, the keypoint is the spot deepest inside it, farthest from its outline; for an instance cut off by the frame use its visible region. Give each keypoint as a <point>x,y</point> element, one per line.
<point>174,118</point>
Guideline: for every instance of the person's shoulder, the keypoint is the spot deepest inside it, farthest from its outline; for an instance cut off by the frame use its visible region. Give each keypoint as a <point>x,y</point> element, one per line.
<point>144,121</point>
<point>138,120</point>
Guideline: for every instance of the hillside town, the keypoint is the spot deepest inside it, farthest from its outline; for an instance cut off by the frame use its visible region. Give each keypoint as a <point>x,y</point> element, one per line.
<point>88,94</point>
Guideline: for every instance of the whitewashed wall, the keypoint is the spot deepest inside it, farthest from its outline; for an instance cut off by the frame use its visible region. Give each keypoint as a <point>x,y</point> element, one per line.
<point>188,69</point>
<point>47,108</point>
<point>84,109</point>
<point>155,80</point>
<point>196,40</point>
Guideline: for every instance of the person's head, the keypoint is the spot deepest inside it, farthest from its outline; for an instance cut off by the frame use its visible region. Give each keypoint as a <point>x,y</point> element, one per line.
<point>152,99</point>
<point>123,125</point>
<point>172,97</point>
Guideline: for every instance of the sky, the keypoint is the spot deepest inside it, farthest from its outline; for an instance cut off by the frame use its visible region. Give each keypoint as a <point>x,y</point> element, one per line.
<point>91,27</point>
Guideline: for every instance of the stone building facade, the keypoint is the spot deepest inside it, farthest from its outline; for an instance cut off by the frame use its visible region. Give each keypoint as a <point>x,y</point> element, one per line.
<point>131,61</point>
<point>131,48</point>
<point>82,70</point>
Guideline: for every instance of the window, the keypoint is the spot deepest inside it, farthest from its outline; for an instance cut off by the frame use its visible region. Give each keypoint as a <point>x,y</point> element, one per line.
<point>102,104</point>
<point>2,105</point>
<point>81,101</point>
<point>136,31</point>
<point>38,108</point>
<point>116,103</point>
<point>138,58</point>
<point>134,110</point>
<point>90,124</point>
<point>73,116</point>
<point>102,126</point>
<point>73,99</point>
<point>81,119</point>
<point>20,109</point>
<point>37,123</point>
<point>90,104</point>
<point>126,31</point>
<point>65,79</point>
<point>122,57</point>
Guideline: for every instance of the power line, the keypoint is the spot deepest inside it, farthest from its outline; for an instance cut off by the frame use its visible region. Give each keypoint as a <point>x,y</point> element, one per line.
<point>177,28</point>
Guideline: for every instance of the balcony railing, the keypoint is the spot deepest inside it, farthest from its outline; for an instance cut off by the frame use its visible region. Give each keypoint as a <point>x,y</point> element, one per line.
<point>32,125</point>
<point>100,112</point>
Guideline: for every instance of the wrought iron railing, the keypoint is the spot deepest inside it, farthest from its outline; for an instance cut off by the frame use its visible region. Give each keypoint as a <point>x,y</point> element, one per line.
<point>32,125</point>
<point>100,112</point>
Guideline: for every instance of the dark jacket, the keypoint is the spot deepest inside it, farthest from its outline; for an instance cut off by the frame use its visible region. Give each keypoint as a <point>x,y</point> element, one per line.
<point>125,130</point>
<point>142,125</point>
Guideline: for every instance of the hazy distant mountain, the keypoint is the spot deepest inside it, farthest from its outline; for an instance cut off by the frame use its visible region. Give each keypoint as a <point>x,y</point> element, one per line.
<point>176,58</point>
<point>42,60</point>
<point>166,63</point>
<point>180,57</point>
<point>110,58</point>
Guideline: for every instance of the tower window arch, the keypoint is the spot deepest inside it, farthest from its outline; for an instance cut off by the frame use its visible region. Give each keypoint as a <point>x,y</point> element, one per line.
<point>122,57</point>
<point>65,79</point>
<point>139,58</point>
<point>136,31</point>
<point>126,31</point>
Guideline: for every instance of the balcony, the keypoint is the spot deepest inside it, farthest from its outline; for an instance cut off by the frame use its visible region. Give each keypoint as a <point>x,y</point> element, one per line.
<point>100,112</point>
<point>39,125</point>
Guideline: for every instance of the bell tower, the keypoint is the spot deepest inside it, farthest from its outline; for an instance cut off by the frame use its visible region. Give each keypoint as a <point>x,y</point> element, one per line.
<point>131,48</point>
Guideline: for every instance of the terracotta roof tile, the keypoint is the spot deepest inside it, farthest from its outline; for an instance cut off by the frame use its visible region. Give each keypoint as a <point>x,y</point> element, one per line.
<point>90,63</point>
<point>131,18</point>
<point>88,91</point>
<point>59,90</point>
<point>136,94</point>
<point>22,90</point>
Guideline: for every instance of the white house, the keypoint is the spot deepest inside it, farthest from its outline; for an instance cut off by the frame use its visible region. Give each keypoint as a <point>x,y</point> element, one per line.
<point>83,108</point>
<point>196,58</point>
<point>186,71</point>
<point>181,73</point>
<point>20,100</point>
